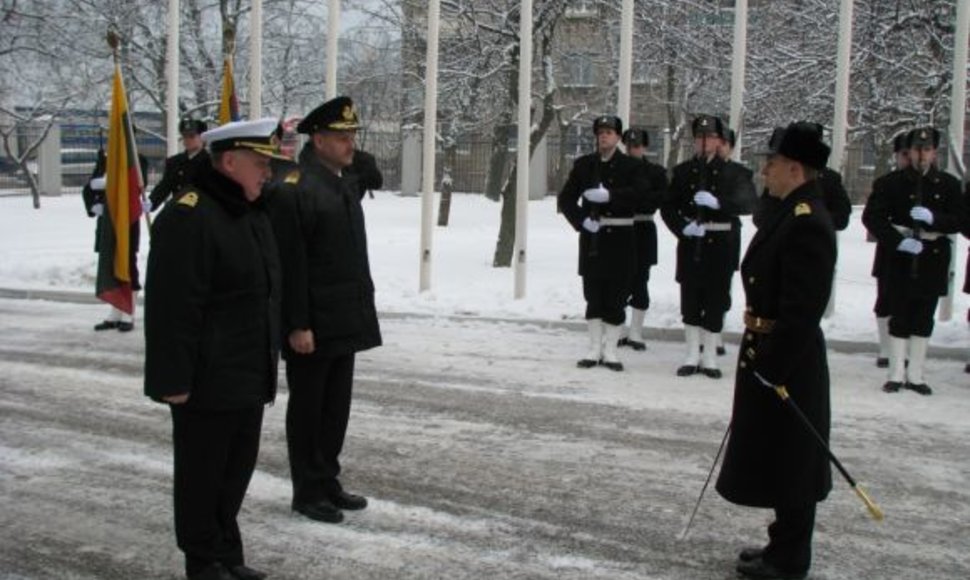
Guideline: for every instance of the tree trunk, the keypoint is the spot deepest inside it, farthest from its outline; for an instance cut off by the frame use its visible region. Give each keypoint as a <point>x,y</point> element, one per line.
<point>505,245</point>
<point>444,206</point>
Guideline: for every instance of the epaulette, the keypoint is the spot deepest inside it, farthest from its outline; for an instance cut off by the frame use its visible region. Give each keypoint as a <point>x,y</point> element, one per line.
<point>189,199</point>
<point>803,209</point>
<point>292,177</point>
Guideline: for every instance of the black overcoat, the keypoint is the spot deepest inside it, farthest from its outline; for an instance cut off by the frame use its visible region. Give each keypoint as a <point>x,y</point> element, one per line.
<point>212,299</point>
<point>889,207</point>
<point>771,459</point>
<point>648,202</point>
<point>179,171</point>
<point>327,285</point>
<point>625,178</point>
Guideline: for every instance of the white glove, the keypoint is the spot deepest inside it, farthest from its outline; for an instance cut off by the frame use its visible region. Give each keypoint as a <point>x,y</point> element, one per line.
<point>921,214</point>
<point>590,225</point>
<point>706,199</point>
<point>598,194</point>
<point>694,229</point>
<point>98,183</point>
<point>97,209</point>
<point>910,246</point>
<point>146,206</point>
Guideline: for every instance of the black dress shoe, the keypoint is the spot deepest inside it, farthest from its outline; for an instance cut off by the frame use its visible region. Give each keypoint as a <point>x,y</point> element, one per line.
<point>721,351</point>
<point>892,387</point>
<point>713,373</point>
<point>243,572</point>
<point>587,363</point>
<point>748,554</point>
<point>215,571</point>
<point>321,511</point>
<point>126,326</point>
<point>921,388</point>
<point>106,325</point>
<point>758,568</point>
<point>634,344</point>
<point>882,362</point>
<point>348,501</point>
<point>688,370</point>
<point>613,366</point>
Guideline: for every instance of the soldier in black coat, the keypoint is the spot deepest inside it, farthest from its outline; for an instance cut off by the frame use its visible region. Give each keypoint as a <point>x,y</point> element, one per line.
<point>94,204</point>
<point>644,232</point>
<point>212,329</point>
<point>881,306</point>
<point>180,168</point>
<point>910,214</point>
<point>706,197</point>
<point>599,200</point>
<point>328,305</point>
<point>771,459</point>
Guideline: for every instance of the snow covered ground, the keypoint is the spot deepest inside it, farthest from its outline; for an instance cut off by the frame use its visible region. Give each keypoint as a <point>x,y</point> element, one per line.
<point>485,452</point>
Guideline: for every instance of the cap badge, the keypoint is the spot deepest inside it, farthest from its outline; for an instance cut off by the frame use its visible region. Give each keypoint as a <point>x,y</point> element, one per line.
<point>347,113</point>
<point>189,199</point>
<point>803,209</point>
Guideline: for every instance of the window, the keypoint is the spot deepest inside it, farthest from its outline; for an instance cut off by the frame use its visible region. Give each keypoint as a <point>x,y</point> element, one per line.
<point>578,70</point>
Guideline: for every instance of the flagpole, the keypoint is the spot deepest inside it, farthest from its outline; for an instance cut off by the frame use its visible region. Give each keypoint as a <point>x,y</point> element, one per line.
<point>256,61</point>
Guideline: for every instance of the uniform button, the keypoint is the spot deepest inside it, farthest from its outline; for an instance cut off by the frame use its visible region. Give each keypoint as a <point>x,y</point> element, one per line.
<point>748,336</point>
<point>751,280</point>
<point>743,365</point>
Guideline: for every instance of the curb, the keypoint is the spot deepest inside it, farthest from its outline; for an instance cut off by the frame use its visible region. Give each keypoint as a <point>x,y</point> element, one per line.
<point>653,333</point>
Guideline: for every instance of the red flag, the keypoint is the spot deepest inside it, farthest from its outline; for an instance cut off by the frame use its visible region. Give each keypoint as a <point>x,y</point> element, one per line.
<point>123,200</point>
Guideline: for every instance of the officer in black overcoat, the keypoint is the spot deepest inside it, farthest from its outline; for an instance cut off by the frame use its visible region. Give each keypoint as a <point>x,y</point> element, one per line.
<point>910,214</point>
<point>212,329</point>
<point>92,194</point>
<point>706,197</point>
<point>771,459</point>
<point>328,305</point>
<point>881,306</point>
<point>636,141</point>
<point>599,200</point>
<point>180,168</point>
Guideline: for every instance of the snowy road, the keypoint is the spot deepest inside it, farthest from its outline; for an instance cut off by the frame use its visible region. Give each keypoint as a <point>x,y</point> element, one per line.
<point>485,453</point>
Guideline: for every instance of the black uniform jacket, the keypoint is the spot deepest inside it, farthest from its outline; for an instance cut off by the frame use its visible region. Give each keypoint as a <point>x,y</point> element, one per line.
<point>365,169</point>
<point>833,191</point>
<point>91,197</point>
<point>966,232</point>
<point>625,178</point>
<point>731,184</point>
<point>648,202</point>
<point>771,459</point>
<point>327,286</point>
<point>881,254</point>
<point>212,299</point>
<point>889,206</point>
<point>179,170</point>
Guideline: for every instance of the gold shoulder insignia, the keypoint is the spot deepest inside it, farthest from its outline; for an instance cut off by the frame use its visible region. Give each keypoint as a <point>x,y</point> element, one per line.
<point>803,209</point>
<point>190,199</point>
<point>292,177</point>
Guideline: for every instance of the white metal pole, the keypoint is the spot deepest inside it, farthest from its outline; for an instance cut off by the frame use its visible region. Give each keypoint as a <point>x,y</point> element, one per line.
<point>958,104</point>
<point>524,142</point>
<point>333,35</point>
<point>172,79</point>
<point>738,70</point>
<point>840,122</point>
<point>626,62</point>
<point>256,61</point>
<point>430,123</point>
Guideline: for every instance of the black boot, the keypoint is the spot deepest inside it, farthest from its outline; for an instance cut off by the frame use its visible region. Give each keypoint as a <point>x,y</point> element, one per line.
<point>748,554</point>
<point>758,568</point>
<point>106,325</point>
<point>921,388</point>
<point>587,363</point>
<point>892,387</point>
<point>688,370</point>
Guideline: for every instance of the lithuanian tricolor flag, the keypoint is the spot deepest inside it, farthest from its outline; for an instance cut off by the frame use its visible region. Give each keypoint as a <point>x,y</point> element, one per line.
<point>229,105</point>
<point>123,199</point>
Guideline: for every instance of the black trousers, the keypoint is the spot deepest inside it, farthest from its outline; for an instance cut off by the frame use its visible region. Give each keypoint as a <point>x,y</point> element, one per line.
<point>640,293</point>
<point>215,455</point>
<point>790,538</point>
<point>316,422</point>
<point>881,308</point>
<point>912,316</point>
<point>606,298</point>
<point>705,305</point>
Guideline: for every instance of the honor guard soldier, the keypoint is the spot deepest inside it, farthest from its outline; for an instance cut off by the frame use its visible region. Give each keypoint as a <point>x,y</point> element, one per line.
<point>180,168</point>
<point>599,200</point>
<point>706,197</point>
<point>772,460</point>
<point>910,214</point>
<point>212,336</point>
<point>328,305</point>
<point>644,232</point>
<point>881,307</point>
